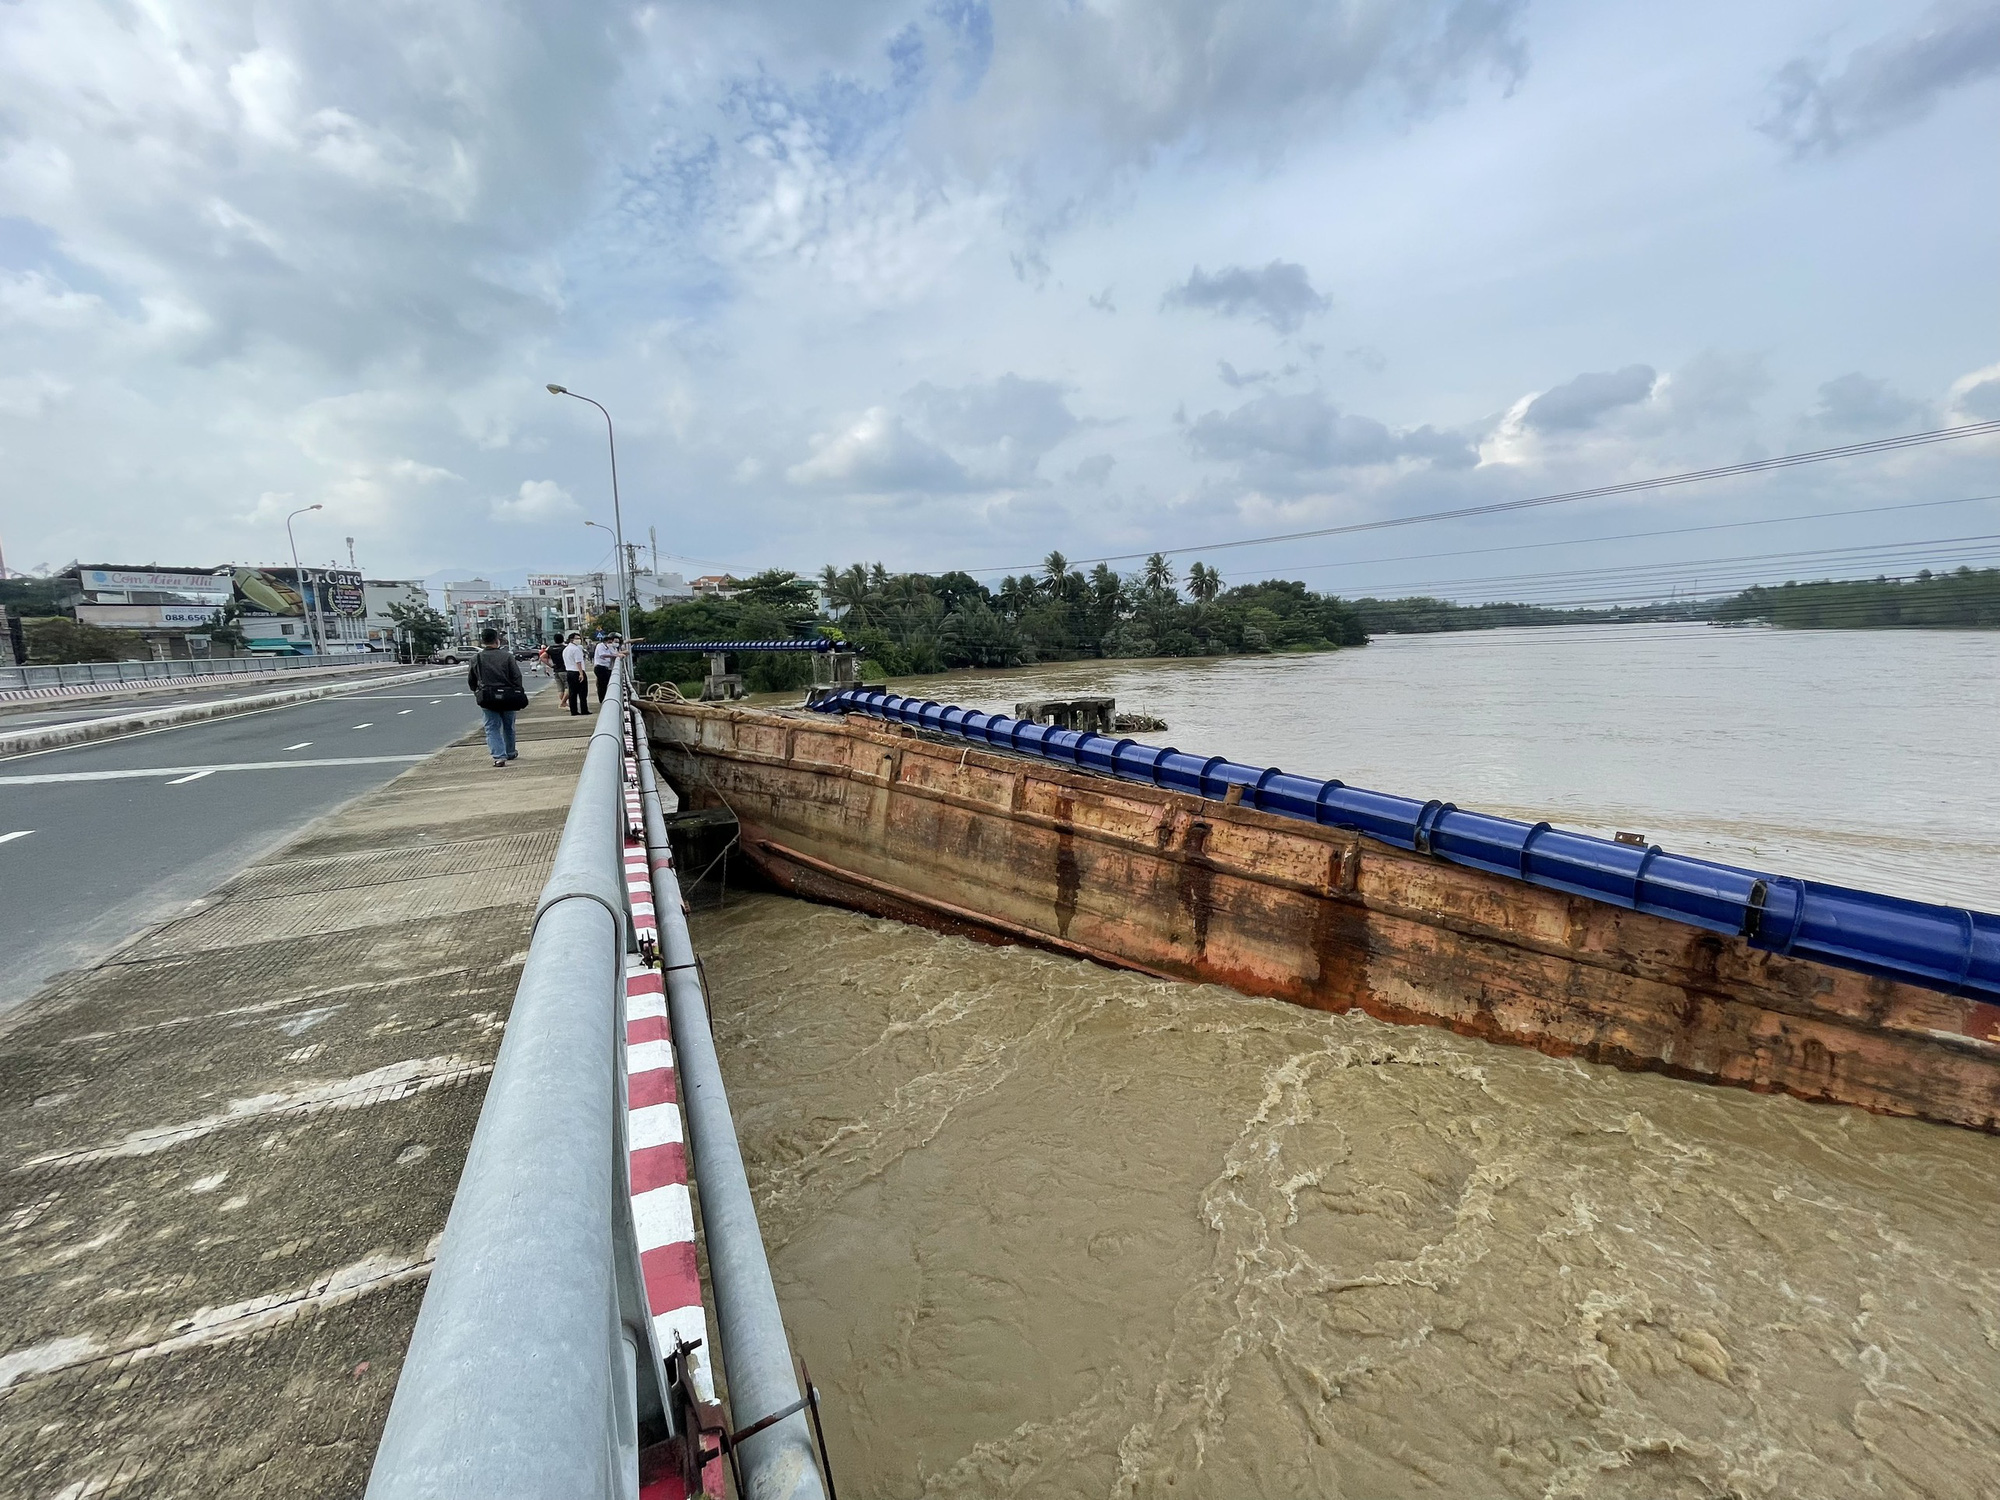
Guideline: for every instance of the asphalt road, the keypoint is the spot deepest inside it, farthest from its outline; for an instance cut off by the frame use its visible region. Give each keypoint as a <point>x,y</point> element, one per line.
<point>100,841</point>
<point>34,713</point>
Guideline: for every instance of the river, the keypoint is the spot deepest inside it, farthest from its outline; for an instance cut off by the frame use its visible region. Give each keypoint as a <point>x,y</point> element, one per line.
<point>1047,1229</point>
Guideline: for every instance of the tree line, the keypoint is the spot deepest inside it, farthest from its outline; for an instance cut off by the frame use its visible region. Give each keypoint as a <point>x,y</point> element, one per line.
<point>913,623</point>
<point>1964,599</point>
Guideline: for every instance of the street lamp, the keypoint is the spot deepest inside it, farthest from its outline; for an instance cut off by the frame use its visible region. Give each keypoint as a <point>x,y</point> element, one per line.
<point>622,589</point>
<point>299,577</point>
<point>618,536</point>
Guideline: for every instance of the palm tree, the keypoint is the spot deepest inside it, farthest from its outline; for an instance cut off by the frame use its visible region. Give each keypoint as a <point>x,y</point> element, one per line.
<point>1159,573</point>
<point>1055,568</point>
<point>1204,583</point>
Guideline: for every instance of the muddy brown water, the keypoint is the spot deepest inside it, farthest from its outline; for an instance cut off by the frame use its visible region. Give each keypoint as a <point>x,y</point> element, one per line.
<point>1045,1229</point>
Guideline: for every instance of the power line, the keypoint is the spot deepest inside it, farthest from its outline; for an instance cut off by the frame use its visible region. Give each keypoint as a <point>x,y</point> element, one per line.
<point>1662,481</point>
<point>1873,551</point>
<point>1632,536</point>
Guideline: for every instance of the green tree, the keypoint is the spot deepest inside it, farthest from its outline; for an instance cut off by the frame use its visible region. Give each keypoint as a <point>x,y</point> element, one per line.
<point>54,639</point>
<point>422,627</point>
<point>1159,573</point>
<point>1203,583</point>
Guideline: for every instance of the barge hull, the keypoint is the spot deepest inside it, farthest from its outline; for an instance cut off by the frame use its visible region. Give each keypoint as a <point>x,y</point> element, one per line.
<point>967,840</point>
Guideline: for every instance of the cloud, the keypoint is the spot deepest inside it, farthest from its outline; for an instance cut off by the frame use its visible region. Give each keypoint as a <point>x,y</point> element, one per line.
<point>1860,403</point>
<point>879,455</point>
<point>1976,397</point>
<point>1094,470</point>
<point>1280,294</point>
<point>1577,404</point>
<point>1889,82</point>
<point>1275,435</point>
<point>536,502</point>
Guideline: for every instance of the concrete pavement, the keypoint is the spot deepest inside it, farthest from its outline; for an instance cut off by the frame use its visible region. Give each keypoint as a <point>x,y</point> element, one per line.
<point>88,857</point>
<point>229,1148</point>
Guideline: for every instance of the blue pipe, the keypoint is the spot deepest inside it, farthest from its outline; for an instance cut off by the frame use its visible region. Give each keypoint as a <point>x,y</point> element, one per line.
<point>1938,947</point>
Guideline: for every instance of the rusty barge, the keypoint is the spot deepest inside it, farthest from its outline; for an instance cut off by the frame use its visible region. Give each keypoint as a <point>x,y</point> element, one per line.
<point>936,816</point>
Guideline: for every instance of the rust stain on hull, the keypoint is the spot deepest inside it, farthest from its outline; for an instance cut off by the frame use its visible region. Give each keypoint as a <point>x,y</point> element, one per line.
<point>971,841</point>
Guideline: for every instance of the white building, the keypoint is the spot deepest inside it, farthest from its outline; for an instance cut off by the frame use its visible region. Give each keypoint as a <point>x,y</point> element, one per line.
<point>378,594</point>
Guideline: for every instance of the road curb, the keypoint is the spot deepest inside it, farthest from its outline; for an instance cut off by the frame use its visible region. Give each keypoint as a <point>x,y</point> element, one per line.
<point>56,736</point>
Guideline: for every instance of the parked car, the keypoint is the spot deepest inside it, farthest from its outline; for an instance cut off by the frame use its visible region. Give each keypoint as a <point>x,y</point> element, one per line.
<point>448,657</point>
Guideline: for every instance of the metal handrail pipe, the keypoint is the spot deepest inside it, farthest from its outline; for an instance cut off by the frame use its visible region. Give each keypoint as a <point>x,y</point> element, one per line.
<point>525,1376</point>
<point>777,1463</point>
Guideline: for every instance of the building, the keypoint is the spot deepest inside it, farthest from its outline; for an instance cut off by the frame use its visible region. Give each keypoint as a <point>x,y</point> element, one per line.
<point>562,602</point>
<point>715,586</point>
<point>378,594</point>
<point>169,612</point>
<point>473,605</point>
<point>650,590</point>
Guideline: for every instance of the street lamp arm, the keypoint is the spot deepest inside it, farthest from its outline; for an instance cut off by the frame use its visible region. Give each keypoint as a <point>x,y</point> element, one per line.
<point>617,515</point>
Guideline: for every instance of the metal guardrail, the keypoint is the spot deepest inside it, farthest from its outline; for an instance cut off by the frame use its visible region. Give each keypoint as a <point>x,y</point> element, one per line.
<point>532,1366</point>
<point>533,1370</point>
<point>777,1461</point>
<point>88,673</point>
<point>1938,947</point>
<point>702,648</point>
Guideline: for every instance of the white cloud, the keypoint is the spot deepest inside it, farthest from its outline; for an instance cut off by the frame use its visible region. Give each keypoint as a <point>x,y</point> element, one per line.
<point>536,502</point>
<point>878,454</point>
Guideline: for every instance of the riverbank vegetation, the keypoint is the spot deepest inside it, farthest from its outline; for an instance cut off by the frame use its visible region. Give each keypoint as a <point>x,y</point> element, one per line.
<point>1965,599</point>
<point>911,623</point>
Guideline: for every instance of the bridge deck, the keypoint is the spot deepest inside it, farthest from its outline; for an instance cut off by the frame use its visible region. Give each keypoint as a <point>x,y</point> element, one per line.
<point>228,1147</point>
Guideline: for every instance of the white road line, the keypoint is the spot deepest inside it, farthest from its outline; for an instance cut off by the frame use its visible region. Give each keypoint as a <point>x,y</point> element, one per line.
<point>191,776</point>
<point>241,765</point>
<point>18,833</point>
<point>437,700</point>
<point>299,746</point>
<point>406,710</point>
<point>369,725</point>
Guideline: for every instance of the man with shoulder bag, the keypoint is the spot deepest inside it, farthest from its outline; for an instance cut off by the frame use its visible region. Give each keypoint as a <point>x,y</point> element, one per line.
<point>495,680</point>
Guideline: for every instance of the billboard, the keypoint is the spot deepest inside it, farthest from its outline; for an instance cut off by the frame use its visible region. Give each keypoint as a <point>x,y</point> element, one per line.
<point>199,587</point>
<point>341,592</point>
<point>268,591</point>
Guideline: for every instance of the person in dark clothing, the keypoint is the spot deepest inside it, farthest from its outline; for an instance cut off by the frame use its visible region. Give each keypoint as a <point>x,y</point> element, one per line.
<point>495,679</point>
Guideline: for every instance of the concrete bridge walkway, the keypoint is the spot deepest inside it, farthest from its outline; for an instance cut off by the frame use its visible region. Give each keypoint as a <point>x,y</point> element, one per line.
<point>227,1149</point>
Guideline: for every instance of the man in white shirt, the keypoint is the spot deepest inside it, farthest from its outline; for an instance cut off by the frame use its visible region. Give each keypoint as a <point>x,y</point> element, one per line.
<point>603,659</point>
<point>574,682</point>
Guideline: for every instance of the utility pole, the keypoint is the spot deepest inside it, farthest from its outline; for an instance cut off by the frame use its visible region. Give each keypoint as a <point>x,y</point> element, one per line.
<point>653,536</point>
<point>350,555</point>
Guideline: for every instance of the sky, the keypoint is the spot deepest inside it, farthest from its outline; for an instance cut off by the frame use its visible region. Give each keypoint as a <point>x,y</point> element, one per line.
<point>950,285</point>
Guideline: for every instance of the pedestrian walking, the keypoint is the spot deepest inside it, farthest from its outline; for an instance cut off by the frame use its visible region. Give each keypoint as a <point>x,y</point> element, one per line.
<point>495,680</point>
<point>603,658</point>
<point>576,684</point>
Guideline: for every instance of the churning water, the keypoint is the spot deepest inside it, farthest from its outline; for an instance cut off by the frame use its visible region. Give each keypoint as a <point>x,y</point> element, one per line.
<point>1042,1228</point>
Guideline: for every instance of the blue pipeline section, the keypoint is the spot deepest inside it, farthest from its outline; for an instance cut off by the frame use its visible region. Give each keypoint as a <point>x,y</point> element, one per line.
<point>1939,947</point>
<point>697,648</point>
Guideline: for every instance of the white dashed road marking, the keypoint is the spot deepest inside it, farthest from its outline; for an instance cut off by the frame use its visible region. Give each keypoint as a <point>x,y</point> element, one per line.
<point>406,710</point>
<point>18,833</point>
<point>299,746</point>
<point>365,726</point>
<point>191,776</point>
<point>241,765</point>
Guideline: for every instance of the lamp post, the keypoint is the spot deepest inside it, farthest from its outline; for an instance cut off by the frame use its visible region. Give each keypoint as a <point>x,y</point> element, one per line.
<point>299,577</point>
<point>621,577</point>
<point>618,535</point>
